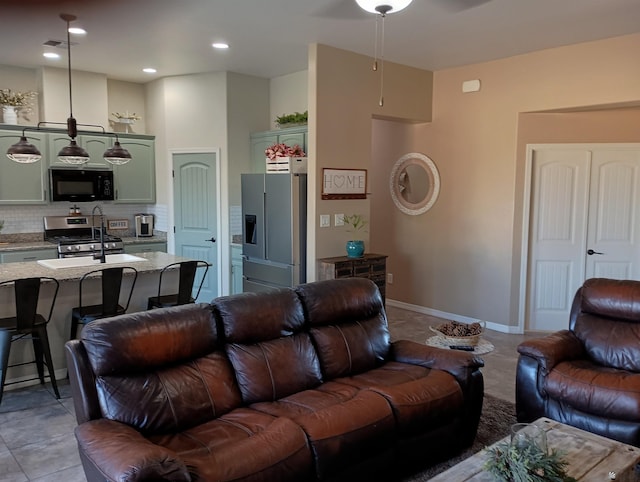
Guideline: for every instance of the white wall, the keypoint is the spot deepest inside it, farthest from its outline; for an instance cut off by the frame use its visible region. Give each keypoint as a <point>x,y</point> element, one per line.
<point>288,94</point>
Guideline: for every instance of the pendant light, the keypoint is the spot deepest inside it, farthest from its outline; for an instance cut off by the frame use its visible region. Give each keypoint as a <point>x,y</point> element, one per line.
<point>73,153</point>
<point>23,152</point>
<point>117,155</point>
<point>381,8</point>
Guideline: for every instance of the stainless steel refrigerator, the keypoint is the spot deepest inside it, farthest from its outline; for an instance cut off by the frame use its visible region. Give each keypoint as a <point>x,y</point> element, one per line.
<point>274,226</point>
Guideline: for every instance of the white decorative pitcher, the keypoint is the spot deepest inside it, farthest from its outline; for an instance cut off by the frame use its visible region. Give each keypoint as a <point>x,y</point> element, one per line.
<point>9,114</point>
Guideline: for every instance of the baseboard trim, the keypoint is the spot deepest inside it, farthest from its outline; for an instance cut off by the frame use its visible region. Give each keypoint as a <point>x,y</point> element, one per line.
<point>453,316</point>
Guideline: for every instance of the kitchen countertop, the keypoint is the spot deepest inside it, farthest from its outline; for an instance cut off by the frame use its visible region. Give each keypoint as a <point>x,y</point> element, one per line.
<point>155,261</point>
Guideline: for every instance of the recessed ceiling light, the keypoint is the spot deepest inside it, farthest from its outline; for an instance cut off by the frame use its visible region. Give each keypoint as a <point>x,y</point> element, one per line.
<point>149,70</point>
<point>77,31</point>
<point>220,45</point>
<point>51,55</point>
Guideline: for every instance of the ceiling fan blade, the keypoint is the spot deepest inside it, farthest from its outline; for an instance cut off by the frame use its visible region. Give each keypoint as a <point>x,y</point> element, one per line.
<point>341,9</point>
<point>459,5</point>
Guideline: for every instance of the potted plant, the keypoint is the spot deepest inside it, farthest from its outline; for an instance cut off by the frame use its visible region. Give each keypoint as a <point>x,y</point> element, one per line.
<point>13,101</point>
<point>290,120</point>
<point>355,223</point>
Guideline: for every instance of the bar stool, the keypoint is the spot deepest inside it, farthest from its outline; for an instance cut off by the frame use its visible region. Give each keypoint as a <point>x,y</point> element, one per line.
<point>111,279</point>
<point>186,281</point>
<point>27,324</point>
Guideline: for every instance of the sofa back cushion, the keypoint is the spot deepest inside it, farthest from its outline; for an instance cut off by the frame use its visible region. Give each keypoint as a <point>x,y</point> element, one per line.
<point>160,370</point>
<point>606,318</point>
<point>348,325</point>
<point>264,339</point>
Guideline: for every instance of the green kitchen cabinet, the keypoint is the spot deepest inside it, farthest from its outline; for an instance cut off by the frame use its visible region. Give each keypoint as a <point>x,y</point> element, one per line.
<point>149,247</point>
<point>135,181</point>
<point>95,145</point>
<point>23,183</point>
<point>236,269</point>
<point>28,255</point>
<point>259,141</point>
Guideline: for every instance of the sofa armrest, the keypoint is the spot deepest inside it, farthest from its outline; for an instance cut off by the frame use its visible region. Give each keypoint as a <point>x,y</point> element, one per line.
<point>552,349</point>
<point>121,453</point>
<point>460,364</point>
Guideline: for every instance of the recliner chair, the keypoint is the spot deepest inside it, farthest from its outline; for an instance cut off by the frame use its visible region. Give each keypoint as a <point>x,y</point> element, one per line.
<point>589,375</point>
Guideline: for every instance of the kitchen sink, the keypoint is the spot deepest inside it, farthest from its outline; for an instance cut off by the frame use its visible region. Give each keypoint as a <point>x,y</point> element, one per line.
<point>81,261</point>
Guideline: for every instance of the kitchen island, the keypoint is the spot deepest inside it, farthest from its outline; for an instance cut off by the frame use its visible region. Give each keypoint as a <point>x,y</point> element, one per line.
<point>148,267</point>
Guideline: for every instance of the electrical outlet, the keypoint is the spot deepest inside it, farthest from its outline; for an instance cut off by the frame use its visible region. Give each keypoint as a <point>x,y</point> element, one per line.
<point>390,278</point>
<point>338,219</point>
<point>325,220</point>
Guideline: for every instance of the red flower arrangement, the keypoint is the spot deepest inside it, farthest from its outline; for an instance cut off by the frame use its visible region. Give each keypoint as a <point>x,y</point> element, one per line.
<point>283,150</point>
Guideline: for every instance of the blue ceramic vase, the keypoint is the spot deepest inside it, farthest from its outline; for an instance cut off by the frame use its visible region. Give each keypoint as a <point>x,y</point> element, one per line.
<point>355,249</point>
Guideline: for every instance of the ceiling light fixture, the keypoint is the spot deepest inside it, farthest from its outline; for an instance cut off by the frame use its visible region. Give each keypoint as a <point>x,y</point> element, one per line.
<point>26,153</point>
<point>149,70</point>
<point>381,8</point>
<point>51,55</point>
<point>220,45</point>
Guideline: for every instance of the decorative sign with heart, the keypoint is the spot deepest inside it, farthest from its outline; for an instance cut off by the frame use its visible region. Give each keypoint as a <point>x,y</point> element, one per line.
<point>344,184</point>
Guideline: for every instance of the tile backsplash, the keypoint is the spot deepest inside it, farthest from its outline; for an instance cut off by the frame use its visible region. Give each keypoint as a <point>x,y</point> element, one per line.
<point>28,219</point>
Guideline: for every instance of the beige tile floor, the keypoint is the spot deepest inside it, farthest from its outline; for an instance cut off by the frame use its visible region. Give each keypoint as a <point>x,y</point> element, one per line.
<point>36,430</point>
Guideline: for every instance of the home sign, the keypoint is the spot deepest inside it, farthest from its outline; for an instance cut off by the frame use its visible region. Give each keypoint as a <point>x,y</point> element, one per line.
<point>344,183</point>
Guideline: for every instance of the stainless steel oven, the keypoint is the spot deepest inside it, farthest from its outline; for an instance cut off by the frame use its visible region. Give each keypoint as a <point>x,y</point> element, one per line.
<point>76,236</point>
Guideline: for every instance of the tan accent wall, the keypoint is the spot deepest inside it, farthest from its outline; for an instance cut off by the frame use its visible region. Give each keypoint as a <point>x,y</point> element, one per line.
<point>343,100</point>
<point>463,256</point>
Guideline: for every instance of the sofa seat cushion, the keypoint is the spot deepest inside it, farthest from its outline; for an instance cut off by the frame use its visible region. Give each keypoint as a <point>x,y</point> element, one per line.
<point>243,445</point>
<point>343,424</point>
<point>421,398</point>
<point>593,388</point>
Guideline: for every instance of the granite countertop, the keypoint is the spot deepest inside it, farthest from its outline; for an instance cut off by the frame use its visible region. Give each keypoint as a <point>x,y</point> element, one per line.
<point>154,261</point>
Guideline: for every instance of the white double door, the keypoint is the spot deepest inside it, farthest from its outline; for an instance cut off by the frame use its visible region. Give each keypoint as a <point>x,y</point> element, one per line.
<point>584,222</point>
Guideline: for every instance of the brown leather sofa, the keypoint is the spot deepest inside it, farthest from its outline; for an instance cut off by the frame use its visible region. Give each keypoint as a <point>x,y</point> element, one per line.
<point>292,385</point>
<point>589,375</point>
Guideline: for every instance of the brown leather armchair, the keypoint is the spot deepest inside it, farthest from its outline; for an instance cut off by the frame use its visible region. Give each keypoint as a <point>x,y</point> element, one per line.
<point>589,375</point>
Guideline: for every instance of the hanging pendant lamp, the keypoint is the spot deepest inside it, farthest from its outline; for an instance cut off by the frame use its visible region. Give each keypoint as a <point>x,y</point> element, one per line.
<point>23,152</point>
<point>117,155</point>
<point>73,153</point>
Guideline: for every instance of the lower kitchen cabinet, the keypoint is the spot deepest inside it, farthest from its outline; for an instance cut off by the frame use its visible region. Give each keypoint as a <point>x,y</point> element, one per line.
<point>145,247</point>
<point>371,266</point>
<point>28,255</point>
<point>236,269</point>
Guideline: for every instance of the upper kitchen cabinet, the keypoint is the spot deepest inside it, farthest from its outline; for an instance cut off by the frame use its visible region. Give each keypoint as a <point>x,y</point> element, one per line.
<point>136,180</point>
<point>23,183</point>
<point>95,145</point>
<point>261,140</point>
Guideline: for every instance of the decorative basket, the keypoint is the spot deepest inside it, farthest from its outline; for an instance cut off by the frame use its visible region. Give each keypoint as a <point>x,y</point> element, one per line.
<point>469,340</point>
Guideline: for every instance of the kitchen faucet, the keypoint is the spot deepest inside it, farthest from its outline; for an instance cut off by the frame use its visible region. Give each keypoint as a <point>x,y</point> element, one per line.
<point>101,256</point>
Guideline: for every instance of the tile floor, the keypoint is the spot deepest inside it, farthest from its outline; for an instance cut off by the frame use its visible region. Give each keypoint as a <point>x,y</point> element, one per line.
<point>36,430</point>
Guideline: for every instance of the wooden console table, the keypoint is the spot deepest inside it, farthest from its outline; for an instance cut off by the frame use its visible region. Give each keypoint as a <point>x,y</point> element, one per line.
<point>371,266</point>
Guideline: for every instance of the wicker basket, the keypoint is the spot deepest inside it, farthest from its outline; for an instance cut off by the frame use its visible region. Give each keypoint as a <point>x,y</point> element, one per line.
<point>470,340</point>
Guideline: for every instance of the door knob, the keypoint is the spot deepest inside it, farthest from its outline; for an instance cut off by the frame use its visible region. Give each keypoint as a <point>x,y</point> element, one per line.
<point>591,252</point>
<point>213,240</point>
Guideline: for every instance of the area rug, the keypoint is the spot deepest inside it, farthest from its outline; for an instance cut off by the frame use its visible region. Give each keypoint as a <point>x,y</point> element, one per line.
<point>497,417</point>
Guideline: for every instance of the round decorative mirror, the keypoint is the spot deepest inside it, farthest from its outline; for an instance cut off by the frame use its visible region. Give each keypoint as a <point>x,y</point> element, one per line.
<point>414,183</point>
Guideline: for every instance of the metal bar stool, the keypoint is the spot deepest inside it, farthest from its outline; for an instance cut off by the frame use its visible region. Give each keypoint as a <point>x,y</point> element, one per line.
<point>187,276</point>
<point>27,324</point>
<point>111,279</point>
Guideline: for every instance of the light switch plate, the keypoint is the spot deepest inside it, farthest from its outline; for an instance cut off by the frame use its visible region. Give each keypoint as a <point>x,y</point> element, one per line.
<point>338,219</point>
<point>325,220</point>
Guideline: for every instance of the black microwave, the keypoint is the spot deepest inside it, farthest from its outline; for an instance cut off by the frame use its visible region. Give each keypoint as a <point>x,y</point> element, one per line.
<point>81,185</point>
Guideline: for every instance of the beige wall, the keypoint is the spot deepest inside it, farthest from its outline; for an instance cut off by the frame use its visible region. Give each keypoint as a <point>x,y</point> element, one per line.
<point>343,100</point>
<point>462,256</point>
<point>126,97</point>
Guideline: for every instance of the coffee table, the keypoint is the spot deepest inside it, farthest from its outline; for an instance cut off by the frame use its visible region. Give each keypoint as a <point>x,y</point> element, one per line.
<point>590,457</point>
